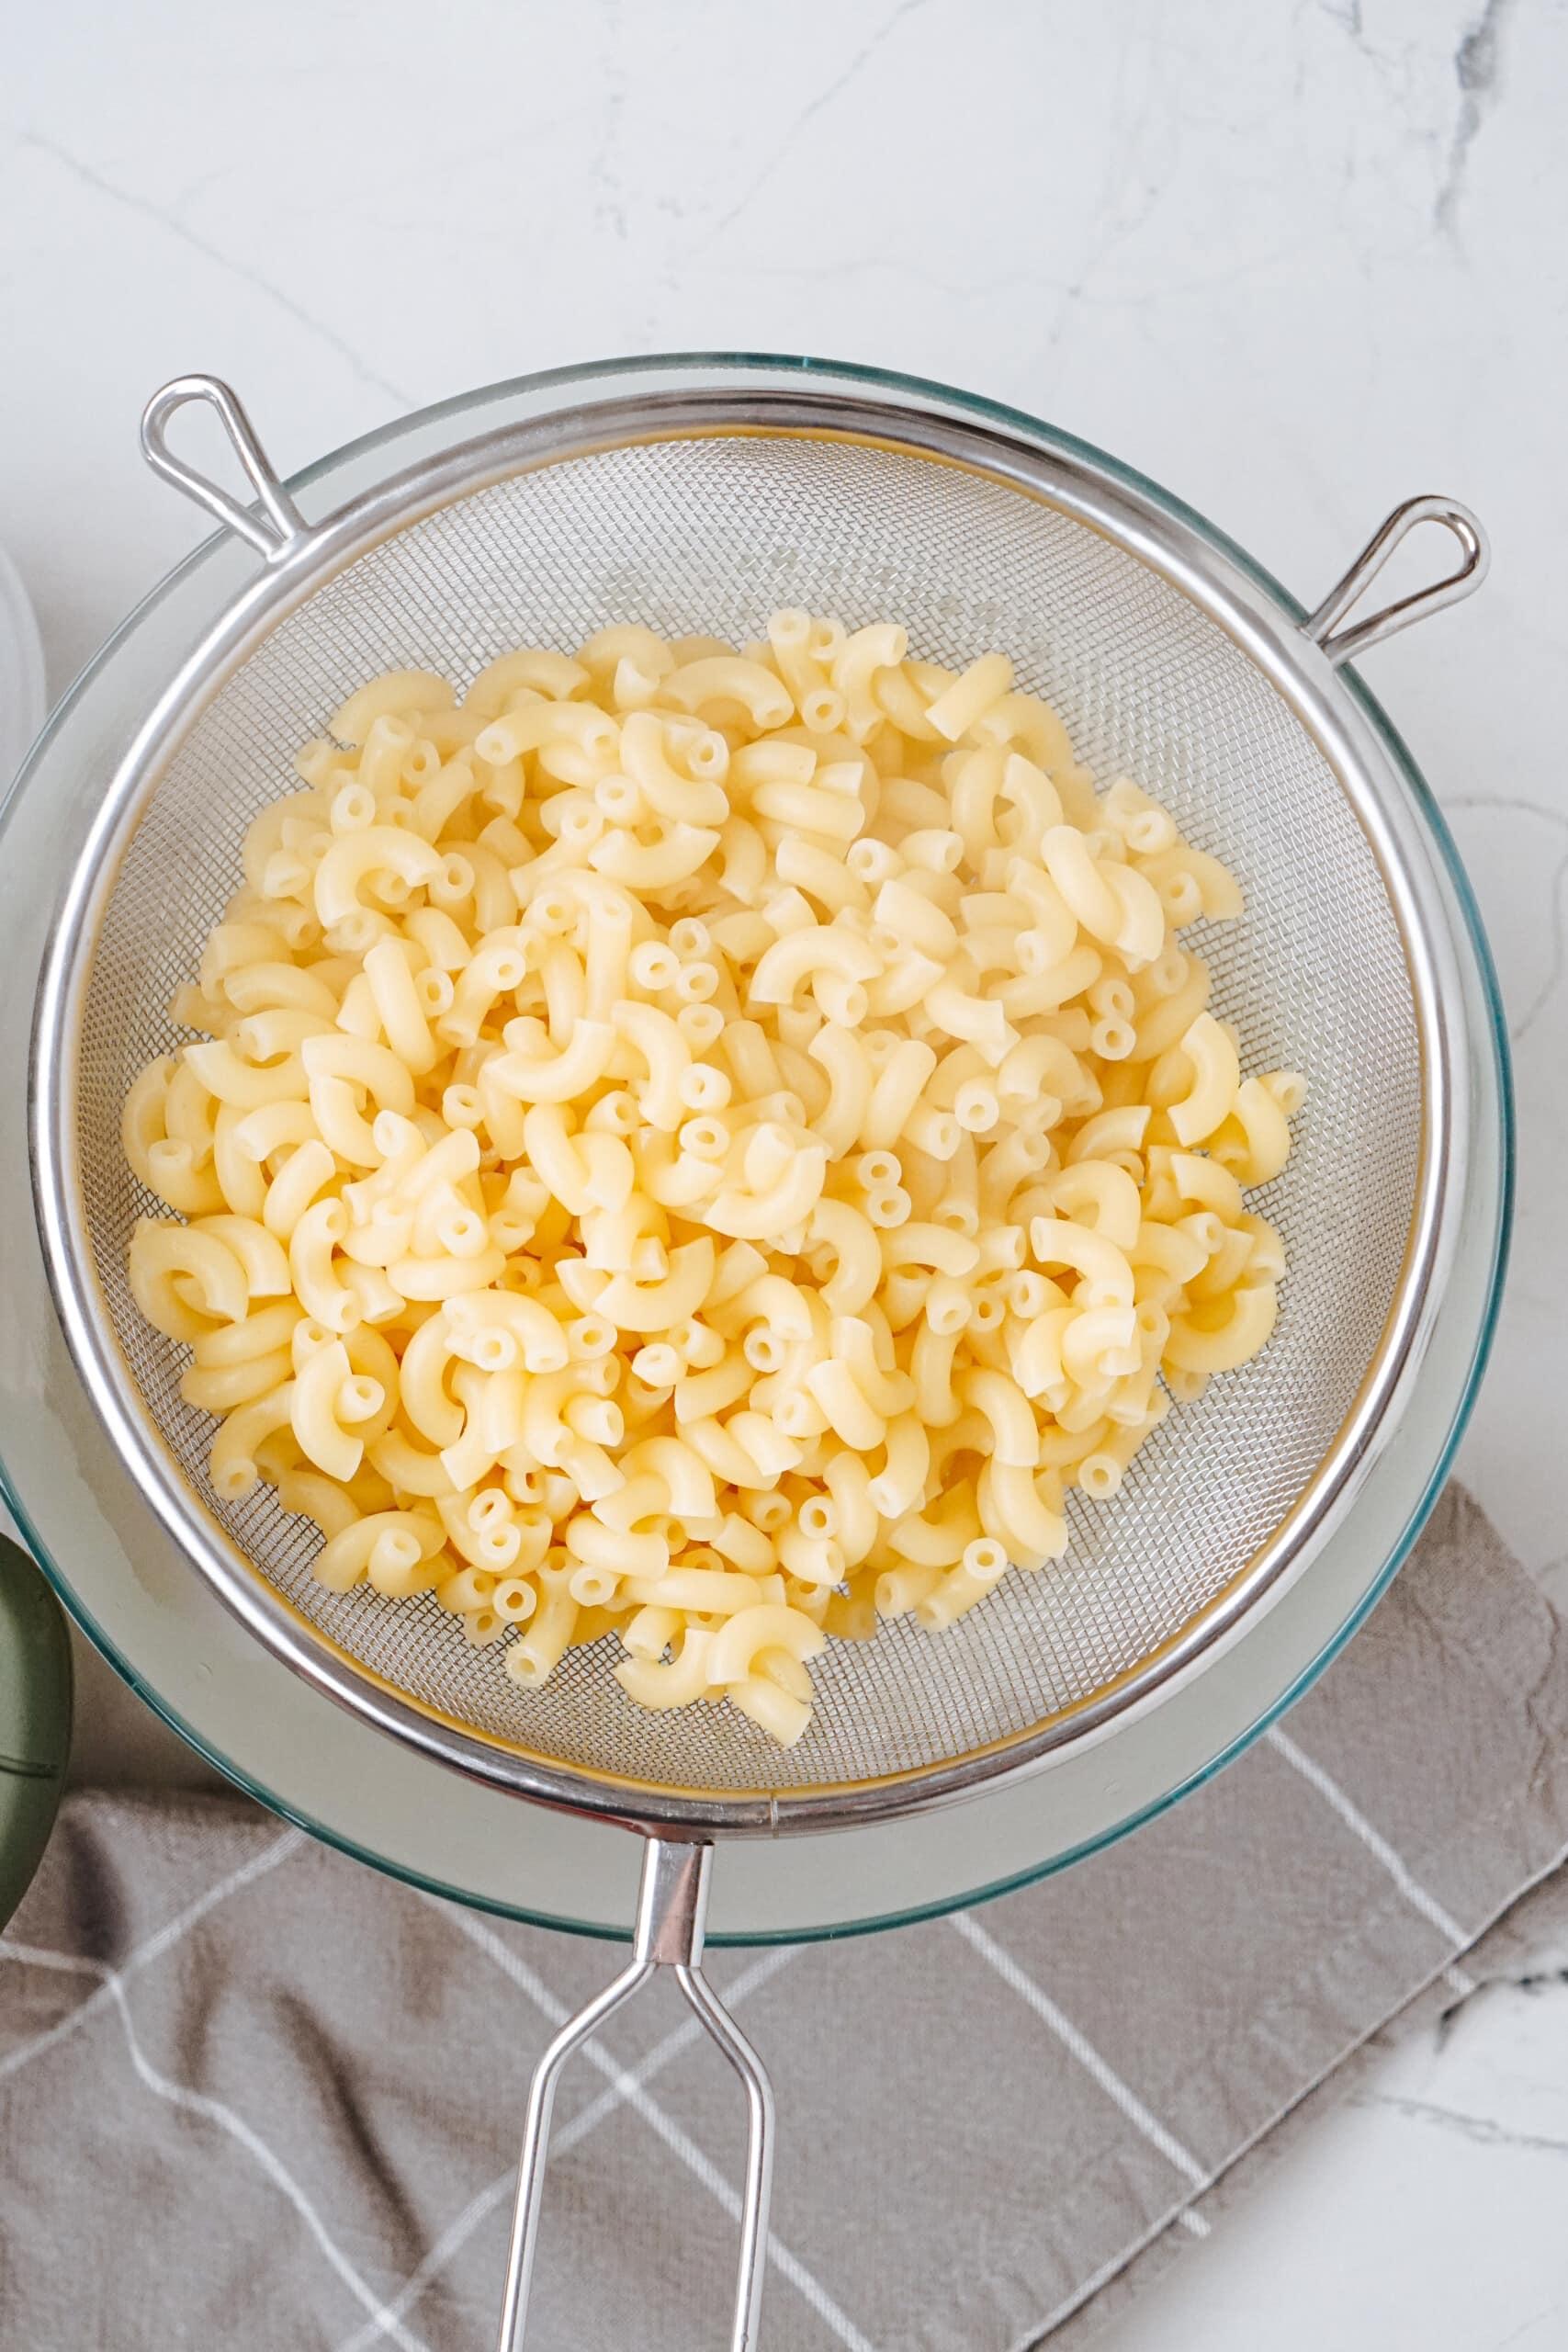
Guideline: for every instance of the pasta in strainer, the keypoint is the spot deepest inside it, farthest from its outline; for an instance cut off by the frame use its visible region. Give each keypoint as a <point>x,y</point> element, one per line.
<point>705,1145</point>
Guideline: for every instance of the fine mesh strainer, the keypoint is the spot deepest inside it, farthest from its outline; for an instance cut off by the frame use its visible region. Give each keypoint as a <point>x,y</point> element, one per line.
<point>692,509</point>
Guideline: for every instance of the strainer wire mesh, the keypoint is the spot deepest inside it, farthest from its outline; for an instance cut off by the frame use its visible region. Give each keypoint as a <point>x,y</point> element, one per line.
<point>709,535</point>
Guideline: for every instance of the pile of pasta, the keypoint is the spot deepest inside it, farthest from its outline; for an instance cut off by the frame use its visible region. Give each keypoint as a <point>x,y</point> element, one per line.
<point>705,1146</point>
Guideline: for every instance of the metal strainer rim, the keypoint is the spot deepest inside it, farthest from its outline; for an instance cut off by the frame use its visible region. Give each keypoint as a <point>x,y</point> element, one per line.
<point>1065,480</point>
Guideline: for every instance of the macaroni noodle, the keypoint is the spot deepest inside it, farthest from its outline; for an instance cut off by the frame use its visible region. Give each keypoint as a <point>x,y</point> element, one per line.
<point>708,1145</point>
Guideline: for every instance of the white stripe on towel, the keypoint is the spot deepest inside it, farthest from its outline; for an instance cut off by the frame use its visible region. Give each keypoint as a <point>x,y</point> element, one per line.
<point>1121,2093</point>
<point>163,1940</point>
<point>674,2139</point>
<point>498,2191</point>
<point>1415,1893</point>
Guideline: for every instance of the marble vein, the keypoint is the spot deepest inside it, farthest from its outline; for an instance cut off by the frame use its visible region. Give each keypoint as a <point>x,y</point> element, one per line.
<point>1519,1030</point>
<point>1477,68</point>
<point>901,267</point>
<point>1479,2129</point>
<point>175,227</point>
<point>603,170</point>
<point>825,97</point>
<point>1542,1980</point>
<point>1517,2334</point>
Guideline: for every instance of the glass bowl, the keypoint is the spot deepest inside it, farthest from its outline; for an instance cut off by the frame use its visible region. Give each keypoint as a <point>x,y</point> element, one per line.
<point>162,1628</point>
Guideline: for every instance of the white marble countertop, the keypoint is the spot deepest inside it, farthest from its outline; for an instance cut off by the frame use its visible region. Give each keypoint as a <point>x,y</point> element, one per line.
<point>1295,261</point>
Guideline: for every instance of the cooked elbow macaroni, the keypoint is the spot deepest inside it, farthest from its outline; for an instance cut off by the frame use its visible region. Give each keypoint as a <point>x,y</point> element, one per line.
<point>709,1144</point>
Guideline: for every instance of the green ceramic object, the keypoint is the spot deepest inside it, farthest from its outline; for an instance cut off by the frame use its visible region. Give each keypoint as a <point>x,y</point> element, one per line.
<point>35,1719</point>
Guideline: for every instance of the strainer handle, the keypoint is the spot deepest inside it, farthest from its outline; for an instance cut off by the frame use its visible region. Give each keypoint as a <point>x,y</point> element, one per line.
<point>1340,644</point>
<point>279,526</point>
<point>671,1908</point>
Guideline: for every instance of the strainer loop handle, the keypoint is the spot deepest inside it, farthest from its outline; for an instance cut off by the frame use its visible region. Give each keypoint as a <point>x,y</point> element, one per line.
<point>671,1908</point>
<point>279,526</point>
<point>1340,644</point>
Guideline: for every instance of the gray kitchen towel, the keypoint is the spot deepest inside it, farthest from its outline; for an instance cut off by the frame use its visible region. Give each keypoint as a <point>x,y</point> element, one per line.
<point>254,2095</point>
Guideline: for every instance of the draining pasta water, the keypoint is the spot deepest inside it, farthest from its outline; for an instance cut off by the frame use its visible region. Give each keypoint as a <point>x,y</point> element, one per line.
<point>703,1145</point>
